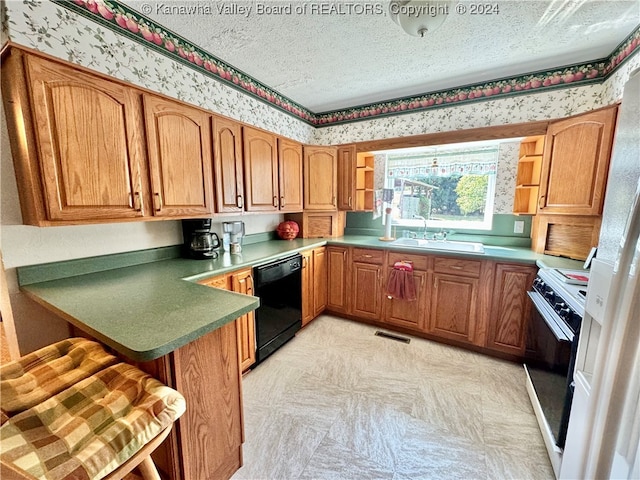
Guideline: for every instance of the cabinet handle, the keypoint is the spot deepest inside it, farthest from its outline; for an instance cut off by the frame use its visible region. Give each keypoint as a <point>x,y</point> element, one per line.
<point>239,202</point>
<point>349,201</point>
<point>344,254</point>
<point>541,201</point>
<point>389,297</point>
<point>249,285</point>
<point>367,256</point>
<point>275,201</point>
<point>304,262</point>
<point>282,202</point>
<point>137,202</point>
<point>333,201</point>
<point>159,197</point>
<point>457,267</point>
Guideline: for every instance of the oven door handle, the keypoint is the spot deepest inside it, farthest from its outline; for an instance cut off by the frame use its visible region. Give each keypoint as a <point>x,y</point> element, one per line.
<point>547,314</point>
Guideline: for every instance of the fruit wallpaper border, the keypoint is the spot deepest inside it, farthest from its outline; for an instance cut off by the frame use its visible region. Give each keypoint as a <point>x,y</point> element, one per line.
<point>134,25</point>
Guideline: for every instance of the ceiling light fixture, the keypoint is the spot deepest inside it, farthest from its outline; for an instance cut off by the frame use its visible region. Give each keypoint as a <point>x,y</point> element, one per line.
<point>419,18</point>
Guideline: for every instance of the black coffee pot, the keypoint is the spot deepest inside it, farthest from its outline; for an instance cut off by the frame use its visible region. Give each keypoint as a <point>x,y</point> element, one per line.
<point>199,241</point>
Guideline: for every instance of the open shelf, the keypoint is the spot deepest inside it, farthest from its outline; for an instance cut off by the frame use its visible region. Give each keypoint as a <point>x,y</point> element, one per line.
<point>364,181</point>
<point>528,175</point>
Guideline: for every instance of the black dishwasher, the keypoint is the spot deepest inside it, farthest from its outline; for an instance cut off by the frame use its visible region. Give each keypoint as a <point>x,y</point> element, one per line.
<point>279,317</point>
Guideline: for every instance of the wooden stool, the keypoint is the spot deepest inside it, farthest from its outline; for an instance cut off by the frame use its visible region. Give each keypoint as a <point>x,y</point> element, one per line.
<point>102,426</point>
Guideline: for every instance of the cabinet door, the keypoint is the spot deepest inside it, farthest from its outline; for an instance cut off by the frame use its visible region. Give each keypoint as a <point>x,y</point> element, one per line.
<point>511,308</point>
<point>211,431</point>
<point>409,314</point>
<point>320,178</point>
<point>319,280</point>
<point>290,175</point>
<point>347,177</point>
<point>260,171</point>
<point>338,278</point>
<point>453,307</point>
<point>90,142</point>
<point>179,147</point>
<point>576,163</point>
<point>242,282</point>
<point>227,164</point>
<point>307,287</point>
<point>367,291</point>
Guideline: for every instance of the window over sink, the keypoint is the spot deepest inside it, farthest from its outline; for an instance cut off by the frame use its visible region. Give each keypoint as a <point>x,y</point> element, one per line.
<point>443,186</point>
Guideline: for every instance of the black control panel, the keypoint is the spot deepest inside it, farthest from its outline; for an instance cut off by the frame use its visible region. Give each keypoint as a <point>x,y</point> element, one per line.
<point>562,309</point>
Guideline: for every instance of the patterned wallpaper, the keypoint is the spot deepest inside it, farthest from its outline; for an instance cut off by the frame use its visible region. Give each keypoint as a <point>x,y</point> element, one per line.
<point>525,108</point>
<point>61,33</point>
<point>506,177</point>
<point>132,24</point>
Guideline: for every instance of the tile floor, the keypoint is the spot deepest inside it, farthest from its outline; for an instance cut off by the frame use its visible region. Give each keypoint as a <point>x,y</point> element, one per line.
<point>338,402</point>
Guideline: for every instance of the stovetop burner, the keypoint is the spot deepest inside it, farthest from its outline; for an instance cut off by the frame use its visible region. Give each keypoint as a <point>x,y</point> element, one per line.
<point>570,293</point>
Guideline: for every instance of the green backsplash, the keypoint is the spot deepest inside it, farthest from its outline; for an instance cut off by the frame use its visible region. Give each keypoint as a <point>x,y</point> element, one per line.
<point>70,268</point>
<point>501,233</point>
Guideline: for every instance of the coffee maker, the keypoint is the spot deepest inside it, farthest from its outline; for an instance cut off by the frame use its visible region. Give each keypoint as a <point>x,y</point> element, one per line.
<point>232,235</point>
<point>199,242</point>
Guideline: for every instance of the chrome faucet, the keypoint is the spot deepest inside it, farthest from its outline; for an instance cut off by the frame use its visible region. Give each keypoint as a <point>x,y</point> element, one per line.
<point>441,235</point>
<point>420,217</point>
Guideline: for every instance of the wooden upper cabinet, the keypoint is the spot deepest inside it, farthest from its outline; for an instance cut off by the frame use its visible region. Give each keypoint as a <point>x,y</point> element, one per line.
<point>89,143</point>
<point>290,175</point>
<point>260,171</point>
<point>227,164</point>
<point>320,178</point>
<point>347,177</point>
<point>179,149</point>
<point>576,162</point>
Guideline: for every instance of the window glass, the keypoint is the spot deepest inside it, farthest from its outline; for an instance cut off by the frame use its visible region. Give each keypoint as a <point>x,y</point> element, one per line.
<point>449,186</point>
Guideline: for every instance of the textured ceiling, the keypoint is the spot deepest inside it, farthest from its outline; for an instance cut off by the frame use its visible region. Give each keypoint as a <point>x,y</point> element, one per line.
<point>337,60</point>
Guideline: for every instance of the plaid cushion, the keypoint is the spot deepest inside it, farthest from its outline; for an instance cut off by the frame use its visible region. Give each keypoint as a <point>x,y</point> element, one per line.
<point>88,430</point>
<point>39,375</point>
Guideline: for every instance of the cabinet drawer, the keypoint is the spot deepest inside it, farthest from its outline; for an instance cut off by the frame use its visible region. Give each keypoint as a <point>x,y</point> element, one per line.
<point>366,255</point>
<point>220,281</point>
<point>420,262</point>
<point>457,266</point>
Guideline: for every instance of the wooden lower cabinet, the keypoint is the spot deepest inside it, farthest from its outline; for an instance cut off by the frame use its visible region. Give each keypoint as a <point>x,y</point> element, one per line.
<point>411,314</point>
<point>463,300</point>
<point>314,283</point>
<point>406,313</point>
<point>367,280</point>
<point>206,441</point>
<point>454,301</point>
<point>338,279</point>
<point>240,281</point>
<point>211,432</point>
<point>511,308</point>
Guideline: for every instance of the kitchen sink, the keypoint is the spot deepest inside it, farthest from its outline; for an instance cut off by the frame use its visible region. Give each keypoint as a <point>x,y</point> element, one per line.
<point>452,246</point>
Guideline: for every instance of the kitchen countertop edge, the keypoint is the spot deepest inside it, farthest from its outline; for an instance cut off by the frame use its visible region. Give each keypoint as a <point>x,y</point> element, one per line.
<point>169,285</point>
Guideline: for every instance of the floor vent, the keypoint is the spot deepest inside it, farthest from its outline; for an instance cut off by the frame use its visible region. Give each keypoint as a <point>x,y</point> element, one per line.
<point>398,338</point>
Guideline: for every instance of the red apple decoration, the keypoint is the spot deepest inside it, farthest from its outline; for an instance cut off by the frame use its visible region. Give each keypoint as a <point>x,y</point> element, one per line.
<point>288,230</point>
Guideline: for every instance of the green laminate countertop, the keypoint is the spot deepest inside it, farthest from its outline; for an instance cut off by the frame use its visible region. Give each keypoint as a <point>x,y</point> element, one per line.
<point>506,254</point>
<point>147,310</point>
